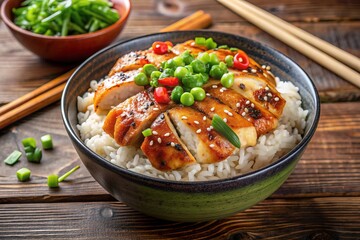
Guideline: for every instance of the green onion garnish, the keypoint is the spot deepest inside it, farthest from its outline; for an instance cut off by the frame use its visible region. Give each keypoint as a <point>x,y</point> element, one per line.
<point>46,141</point>
<point>224,129</point>
<point>53,179</point>
<point>13,158</point>
<point>147,132</point>
<point>23,174</point>
<point>29,142</point>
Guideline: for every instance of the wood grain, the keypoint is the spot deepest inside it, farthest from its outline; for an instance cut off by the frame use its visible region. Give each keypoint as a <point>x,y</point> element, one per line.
<point>313,218</point>
<point>329,167</point>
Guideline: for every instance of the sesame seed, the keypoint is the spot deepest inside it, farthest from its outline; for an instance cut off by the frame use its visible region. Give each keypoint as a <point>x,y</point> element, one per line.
<point>208,94</point>
<point>268,68</point>
<point>237,105</point>
<point>247,102</point>
<point>245,71</point>
<point>196,122</point>
<point>243,114</point>
<point>172,144</point>
<point>276,99</point>
<point>253,70</point>
<point>269,94</point>
<point>225,119</point>
<point>241,60</point>
<point>224,88</point>
<point>263,66</point>
<point>230,114</point>
<point>252,105</point>
<point>204,118</point>
<point>155,108</point>
<point>246,110</point>
<point>211,145</point>
<point>123,115</point>
<point>184,117</point>
<point>159,140</point>
<point>267,88</point>
<point>214,86</point>
<point>221,90</point>
<point>226,111</point>
<point>198,131</point>
<point>208,129</point>
<point>212,109</point>
<point>155,132</point>
<point>151,143</point>
<point>166,134</point>
<point>211,127</point>
<point>265,98</point>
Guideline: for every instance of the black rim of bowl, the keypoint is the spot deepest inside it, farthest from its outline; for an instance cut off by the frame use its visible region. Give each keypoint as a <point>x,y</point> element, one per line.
<point>245,178</point>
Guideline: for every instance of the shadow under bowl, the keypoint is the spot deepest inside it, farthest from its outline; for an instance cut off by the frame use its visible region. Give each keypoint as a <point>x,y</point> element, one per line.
<point>72,48</point>
<point>189,201</point>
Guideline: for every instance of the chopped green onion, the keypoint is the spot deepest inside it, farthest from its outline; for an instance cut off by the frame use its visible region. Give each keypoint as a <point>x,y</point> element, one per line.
<point>53,179</point>
<point>147,132</point>
<point>23,174</point>
<point>210,44</point>
<point>224,129</point>
<point>234,49</point>
<point>46,141</point>
<point>30,156</point>
<point>223,47</point>
<point>29,142</point>
<point>200,41</point>
<point>13,158</point>
<point>37,155</point>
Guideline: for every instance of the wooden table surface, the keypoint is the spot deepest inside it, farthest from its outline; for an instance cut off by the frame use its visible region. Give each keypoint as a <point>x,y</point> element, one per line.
<point>320,200</point>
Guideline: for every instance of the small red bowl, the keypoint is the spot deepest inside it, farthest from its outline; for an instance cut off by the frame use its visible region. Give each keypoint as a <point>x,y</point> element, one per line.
<point>70,48</point>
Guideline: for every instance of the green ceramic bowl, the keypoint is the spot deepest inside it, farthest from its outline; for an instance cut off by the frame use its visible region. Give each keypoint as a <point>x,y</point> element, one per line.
<point>189,201</point>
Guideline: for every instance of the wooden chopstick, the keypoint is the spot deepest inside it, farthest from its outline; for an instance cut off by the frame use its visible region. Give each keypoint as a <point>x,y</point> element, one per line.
<point>258,19</point>
<point>341,55</point>
<point>51,91</point>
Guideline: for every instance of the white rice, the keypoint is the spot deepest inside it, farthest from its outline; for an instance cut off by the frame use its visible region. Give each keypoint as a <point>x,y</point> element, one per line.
<point>269,148</point>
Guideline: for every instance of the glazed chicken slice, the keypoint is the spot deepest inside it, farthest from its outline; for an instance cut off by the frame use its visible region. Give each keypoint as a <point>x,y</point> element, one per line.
<point>136,60</point>
<point>114,90</point>
<point>254,68</point>
<point>243,128</point>
<point>206,145</point>
<point>164,148</point>
<point>127,120</point>
<point>263,120</point>
<point>258,91</point>
<point>190,46</point>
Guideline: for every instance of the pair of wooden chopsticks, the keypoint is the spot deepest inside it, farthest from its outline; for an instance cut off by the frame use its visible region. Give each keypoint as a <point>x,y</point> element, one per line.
<point>322,52</point>
<point>51,91</point>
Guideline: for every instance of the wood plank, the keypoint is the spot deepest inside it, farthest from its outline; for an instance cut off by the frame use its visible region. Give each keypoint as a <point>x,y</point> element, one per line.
<point>22,72</point>
<point>329,167</point>
<point>313,218</point>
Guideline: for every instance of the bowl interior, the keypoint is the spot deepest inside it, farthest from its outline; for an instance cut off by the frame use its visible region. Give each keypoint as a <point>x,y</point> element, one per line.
<point>100,64</point>
<point>122,6</point>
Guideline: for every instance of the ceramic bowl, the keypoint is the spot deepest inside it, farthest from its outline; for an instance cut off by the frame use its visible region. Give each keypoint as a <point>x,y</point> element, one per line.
<point>70,48</point>
<point>189,201</point>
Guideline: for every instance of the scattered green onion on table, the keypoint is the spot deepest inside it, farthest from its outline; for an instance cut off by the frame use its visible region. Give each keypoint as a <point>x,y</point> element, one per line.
<point>63,18</point>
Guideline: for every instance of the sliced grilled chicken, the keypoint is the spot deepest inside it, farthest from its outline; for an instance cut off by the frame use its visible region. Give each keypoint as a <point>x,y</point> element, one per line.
<point>127,120</point>
<point>130,61</point>
<point>206,145</point>
<point>243,128</point>
<point>136,60</point>
<point>263,120</point>
<point>190,46</point>
<point>258,91</point>
<point>164,148</point>
<point>114,90</point>
<point>254,68</point>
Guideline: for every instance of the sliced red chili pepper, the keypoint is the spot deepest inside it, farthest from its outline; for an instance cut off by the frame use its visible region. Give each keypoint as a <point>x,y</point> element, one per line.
<point>169,81</point>
<point>161,95</point>
<point>241,61</point>
<point>160,48</point>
